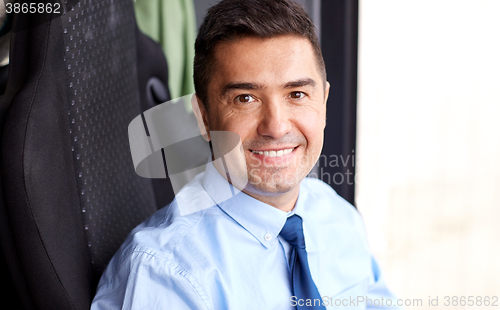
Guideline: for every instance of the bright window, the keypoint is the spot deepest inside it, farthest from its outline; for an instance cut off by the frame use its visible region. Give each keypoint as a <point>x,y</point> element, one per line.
<point>428,145</point>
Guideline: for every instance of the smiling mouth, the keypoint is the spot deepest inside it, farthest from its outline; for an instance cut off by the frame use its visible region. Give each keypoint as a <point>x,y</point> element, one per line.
<point>277,153</point>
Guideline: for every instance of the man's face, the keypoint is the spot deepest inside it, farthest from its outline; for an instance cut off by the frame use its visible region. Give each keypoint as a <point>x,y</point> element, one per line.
<point>271,93</point>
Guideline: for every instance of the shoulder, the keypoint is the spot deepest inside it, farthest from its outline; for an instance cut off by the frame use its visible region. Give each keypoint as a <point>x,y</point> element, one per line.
<point>154,239</point>
<point>316,189</point>
<point>330,204</point>
<point>146,271</point>
<point>160,237</point>
<point>164,231</point>
<point>160,253</point>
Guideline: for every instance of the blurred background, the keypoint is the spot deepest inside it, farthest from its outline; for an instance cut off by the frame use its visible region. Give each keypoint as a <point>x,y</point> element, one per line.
<point>427,170</point>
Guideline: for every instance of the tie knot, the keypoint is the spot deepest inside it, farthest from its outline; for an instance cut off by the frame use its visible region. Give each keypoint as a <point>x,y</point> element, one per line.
<point>292,232</point>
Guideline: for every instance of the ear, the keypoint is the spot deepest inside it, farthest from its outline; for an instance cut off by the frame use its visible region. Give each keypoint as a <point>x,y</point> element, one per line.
<point>327,90</point>
<point>327,93</point>
<point>201,116</point>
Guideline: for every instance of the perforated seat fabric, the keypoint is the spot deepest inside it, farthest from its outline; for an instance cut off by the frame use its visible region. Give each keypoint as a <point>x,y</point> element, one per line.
<point>99,43</point>
<point>70,193</point>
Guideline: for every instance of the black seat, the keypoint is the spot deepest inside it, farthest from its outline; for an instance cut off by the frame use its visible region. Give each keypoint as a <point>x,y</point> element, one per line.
<point>70,194</point>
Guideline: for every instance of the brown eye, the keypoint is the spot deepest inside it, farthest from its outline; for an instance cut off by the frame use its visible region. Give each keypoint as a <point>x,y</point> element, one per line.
<point>297,95</point>
<point>245,98</point>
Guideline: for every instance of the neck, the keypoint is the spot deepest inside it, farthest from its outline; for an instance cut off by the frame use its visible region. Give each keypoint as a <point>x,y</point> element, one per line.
<point>282,201</point>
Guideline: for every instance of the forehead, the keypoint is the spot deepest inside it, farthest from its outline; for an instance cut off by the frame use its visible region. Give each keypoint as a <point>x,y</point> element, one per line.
<point>269,61</point>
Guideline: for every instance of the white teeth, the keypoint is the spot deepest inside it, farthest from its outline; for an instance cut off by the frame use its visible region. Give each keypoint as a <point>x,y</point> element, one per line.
<point>274,153</point>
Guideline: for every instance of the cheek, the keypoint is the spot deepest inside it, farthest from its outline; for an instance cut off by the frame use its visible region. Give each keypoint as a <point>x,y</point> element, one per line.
<point>311,124</point>
<point>240,123</point>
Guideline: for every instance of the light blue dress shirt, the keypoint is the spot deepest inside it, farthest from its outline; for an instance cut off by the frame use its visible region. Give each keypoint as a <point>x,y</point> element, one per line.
<point>229,255</point>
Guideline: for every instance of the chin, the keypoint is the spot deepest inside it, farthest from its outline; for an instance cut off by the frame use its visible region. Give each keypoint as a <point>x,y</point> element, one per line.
<point>272,183</point>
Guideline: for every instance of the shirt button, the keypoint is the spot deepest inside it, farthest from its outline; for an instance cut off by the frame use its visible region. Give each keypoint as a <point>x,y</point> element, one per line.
<point>267,237</point>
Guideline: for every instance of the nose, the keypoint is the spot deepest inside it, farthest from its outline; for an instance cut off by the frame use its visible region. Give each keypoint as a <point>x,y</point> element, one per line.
<point>275,121</point>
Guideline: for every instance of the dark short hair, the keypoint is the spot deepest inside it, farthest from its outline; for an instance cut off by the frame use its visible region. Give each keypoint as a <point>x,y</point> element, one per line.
<point>230,20</point>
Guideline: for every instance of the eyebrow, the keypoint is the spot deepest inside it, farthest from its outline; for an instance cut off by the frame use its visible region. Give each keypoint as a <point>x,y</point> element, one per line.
<point>252,86</point>
<point>246,86</point>
<point>300,83</point>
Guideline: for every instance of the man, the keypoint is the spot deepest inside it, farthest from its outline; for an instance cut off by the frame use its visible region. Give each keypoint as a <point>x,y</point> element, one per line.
<point>284,241</point>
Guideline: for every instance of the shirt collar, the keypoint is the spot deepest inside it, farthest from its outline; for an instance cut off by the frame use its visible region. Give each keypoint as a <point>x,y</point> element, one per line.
<point>261,220</point>
<point>300,205</point>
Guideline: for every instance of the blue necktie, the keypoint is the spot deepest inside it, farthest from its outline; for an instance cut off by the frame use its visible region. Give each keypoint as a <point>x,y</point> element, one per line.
<point>303,286</point>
